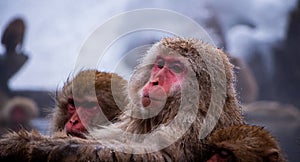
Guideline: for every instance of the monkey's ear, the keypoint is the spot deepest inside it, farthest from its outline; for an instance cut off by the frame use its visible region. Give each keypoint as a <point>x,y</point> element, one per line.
<point>272,155</point>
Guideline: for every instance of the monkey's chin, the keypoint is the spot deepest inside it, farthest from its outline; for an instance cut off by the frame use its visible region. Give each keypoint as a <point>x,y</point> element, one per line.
<point>150,107</point>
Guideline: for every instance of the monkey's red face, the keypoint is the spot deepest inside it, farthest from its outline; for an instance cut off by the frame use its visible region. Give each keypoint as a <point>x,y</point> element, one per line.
<point>81,116</point>
<point>18,114</point>
<point>167,74</point>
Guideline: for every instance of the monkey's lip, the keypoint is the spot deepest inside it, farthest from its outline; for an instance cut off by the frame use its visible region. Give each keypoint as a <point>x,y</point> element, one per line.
<point>147,100</point>
<point>152,98</point>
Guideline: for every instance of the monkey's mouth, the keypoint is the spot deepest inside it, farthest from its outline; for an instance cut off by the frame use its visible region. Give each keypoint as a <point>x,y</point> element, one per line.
<point>147,99</point>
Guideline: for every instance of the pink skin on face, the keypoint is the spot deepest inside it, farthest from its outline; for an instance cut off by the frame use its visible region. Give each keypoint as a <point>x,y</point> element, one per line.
<point>18,114</point>
<point>86,109</point>
<point>167,74</point>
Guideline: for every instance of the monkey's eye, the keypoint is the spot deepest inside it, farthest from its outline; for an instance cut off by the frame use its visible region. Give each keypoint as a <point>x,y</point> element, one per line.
<point>71,102</point>
<point>177,67</point>
<point>160,63</point>
<point>224,153</point>
<point>88,104</point>
<point>71,107</point>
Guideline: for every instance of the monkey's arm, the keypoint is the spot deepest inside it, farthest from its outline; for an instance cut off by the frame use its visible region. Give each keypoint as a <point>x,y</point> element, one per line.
<point>31,146</point>
<point>20,146</point>
<point>83,152</point>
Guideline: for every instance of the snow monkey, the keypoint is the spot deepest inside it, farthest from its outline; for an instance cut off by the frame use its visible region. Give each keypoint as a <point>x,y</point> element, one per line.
<point>17,114</point>
<point>244,143</point>
<point>171,91</point>
<point>93,90</point>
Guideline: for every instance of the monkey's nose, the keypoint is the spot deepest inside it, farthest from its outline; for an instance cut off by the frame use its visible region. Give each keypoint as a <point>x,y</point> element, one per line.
<point>74,121</point>
<point>155,83</point>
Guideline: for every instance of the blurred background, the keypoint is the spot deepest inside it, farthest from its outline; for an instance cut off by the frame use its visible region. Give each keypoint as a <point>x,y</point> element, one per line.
<point>260,36</point>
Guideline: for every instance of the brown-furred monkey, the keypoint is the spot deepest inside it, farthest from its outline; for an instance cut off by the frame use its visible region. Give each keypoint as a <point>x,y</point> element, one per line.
<point>244,143</point>
<point>18,114</point>
<point>176,77</point>
<point>93,90</point>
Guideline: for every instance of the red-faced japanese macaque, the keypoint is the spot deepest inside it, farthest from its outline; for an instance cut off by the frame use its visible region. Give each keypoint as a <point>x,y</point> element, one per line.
<point>88,101</point>
<point>18,113</point>
<point>178,84</point>
<point>244,143</point>
<point>182,90</point>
